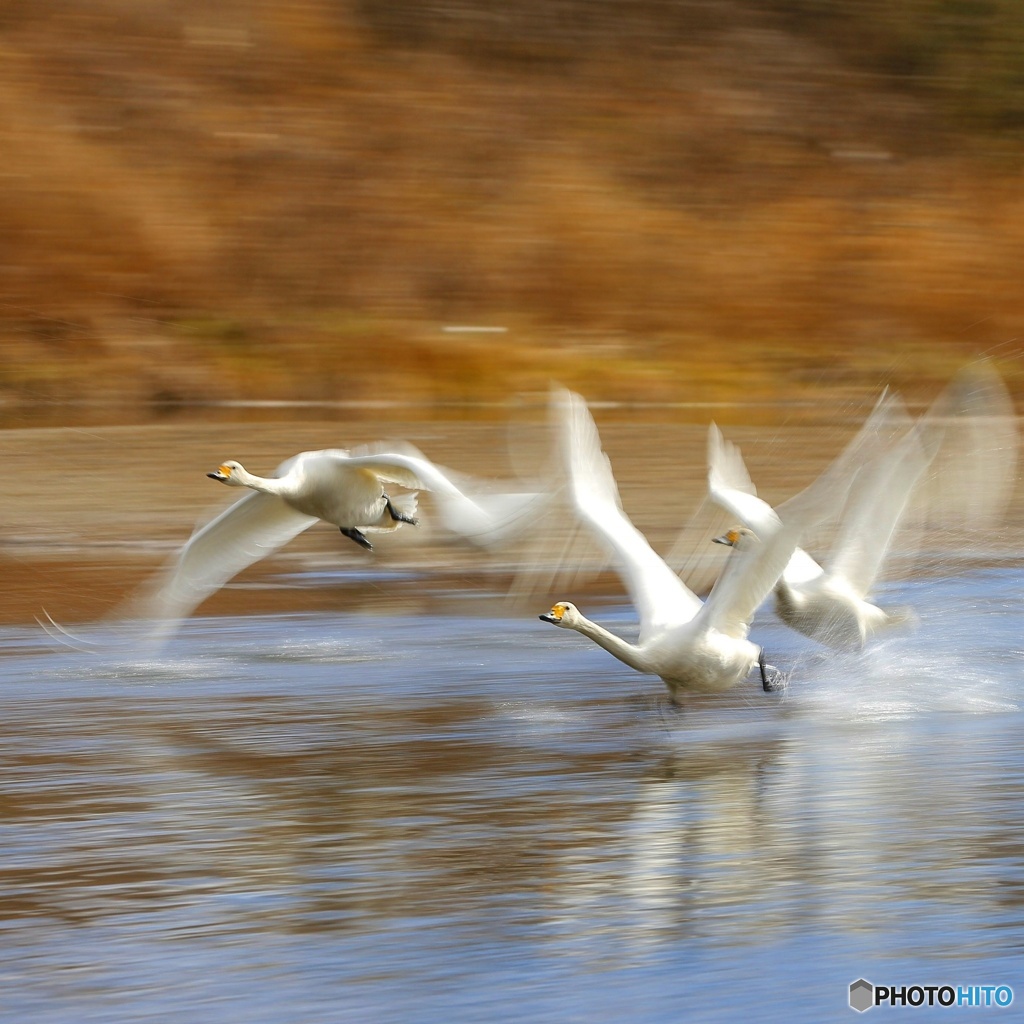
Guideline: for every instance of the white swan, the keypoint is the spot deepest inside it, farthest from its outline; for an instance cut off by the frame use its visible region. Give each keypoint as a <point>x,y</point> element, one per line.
<point>691,645</point>
<point>335,487</point>
<point>831,606</point>
<point>339,487</point>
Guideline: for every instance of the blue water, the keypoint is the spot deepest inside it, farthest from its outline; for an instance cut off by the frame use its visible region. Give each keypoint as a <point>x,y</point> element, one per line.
<point>467,817</point>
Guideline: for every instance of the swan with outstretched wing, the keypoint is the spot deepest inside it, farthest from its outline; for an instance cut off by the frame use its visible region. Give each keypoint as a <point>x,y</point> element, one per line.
<point>690,644</point>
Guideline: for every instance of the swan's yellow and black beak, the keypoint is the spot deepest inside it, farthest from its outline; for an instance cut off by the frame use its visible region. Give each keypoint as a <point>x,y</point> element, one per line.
<point>554,616</point>
<point>222,474</point>
<point>730,538</point>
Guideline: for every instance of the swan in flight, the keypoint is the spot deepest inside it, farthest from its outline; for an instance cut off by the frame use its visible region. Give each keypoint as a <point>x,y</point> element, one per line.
<point>691,645</point>
<point>336,486</point>
<point>831,605</point>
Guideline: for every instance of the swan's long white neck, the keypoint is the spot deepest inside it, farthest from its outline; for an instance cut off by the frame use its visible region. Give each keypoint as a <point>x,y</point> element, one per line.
<point>268,485</point>
<point>629,653</point>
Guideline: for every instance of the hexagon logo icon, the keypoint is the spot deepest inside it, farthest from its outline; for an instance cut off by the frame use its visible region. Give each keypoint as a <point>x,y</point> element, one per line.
<point>862,995</point>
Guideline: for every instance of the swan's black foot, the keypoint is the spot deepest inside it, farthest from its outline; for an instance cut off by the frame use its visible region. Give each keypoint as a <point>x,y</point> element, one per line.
<point>670,711</point>
<point>357,536</point>
<point>772,680</point>
<point>399,517</point>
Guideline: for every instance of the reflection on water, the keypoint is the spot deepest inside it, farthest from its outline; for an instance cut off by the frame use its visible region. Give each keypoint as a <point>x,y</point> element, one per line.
<point>438,817</point>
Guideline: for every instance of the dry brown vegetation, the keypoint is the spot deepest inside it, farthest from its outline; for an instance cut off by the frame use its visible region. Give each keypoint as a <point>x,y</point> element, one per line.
<point>660,200</point>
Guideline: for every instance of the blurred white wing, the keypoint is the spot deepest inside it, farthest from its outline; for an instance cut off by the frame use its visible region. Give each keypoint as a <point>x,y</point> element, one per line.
<point>661,598</point>
<point>747,578</point>
<point>826,496</point>
<point>753,570</point>
<point>877,502</point>
<point>482,512</point>
<point>971,481</point>
<point>391,466</point>
<point>245,532</point>
<point>730,487</point>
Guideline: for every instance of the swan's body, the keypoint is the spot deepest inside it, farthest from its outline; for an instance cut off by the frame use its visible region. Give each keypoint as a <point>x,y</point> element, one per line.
<point>691,645</point>
<point>337,487</point>
<point>347,491</point>
<point>707,652</point>
<point>831,605</point>
<point>828,609</point>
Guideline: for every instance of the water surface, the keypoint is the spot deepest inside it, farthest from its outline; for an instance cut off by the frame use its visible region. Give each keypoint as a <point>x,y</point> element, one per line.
<point>463,815</point>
